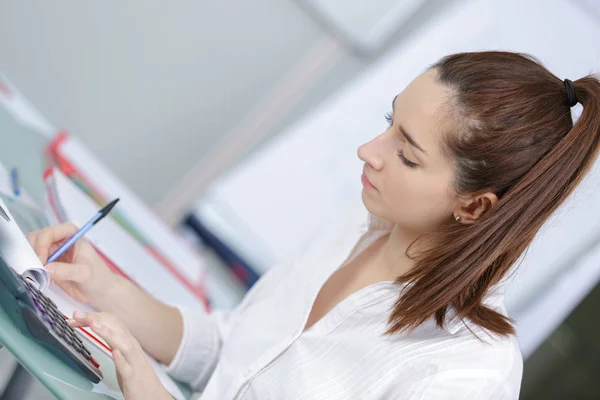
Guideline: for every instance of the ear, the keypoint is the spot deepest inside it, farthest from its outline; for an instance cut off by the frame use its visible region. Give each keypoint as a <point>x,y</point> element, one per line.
<point>473,207</point>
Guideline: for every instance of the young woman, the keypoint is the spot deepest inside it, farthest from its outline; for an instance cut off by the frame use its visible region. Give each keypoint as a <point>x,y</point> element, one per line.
<point>480,150</point>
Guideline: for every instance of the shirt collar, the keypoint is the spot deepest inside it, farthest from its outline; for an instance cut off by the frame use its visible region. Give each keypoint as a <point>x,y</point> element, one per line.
<point>494,298</point>
<point>375,223</point>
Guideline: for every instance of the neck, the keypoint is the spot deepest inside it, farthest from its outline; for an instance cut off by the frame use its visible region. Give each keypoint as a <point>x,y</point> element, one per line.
<point>392,255</point>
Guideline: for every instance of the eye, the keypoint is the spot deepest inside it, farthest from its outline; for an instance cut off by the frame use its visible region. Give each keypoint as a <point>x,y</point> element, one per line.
<point>388,118</point>
<point>405,160</point>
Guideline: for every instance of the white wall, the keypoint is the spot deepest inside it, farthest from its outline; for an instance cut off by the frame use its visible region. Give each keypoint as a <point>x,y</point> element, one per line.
<point>151,85</point>
<point>155,87</point>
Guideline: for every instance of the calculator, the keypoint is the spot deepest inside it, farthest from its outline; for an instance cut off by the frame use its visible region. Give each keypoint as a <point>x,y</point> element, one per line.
<point>37,316</point>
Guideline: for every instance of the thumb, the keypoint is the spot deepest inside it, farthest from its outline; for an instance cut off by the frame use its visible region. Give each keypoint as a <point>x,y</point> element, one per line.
<point>60,271</point>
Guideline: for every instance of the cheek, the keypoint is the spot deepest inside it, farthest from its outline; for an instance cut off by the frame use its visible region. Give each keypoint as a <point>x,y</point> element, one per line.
<point>421,202</point>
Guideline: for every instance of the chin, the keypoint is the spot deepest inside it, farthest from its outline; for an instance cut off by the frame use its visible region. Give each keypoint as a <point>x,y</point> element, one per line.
<point>369,204</point>
<point>365,199</point>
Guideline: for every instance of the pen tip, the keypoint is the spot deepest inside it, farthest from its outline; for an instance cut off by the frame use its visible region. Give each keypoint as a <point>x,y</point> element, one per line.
<point>109,206</point>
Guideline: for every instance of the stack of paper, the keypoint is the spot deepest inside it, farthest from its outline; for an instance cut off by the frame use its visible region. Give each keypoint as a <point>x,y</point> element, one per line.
<point>141,224</point>
<point>116,244</point>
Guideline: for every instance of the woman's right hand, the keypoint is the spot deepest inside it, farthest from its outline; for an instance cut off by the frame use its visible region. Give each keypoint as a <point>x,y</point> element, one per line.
<point>84,275</point>
<point>80,271</point>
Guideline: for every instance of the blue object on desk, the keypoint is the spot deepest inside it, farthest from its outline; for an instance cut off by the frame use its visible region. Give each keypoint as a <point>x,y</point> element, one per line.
<point>82,231</point>
<point>240,267</point>
<point>14,178</point>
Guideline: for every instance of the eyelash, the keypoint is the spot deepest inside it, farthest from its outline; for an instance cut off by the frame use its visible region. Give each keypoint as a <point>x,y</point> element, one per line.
<point>388,118</point>
<point>406,161</point>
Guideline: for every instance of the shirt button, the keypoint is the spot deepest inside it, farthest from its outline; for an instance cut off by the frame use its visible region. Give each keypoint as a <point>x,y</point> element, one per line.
<point>246,374</point>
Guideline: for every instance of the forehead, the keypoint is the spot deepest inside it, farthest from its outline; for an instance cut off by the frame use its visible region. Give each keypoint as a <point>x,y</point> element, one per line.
<point>420,110</point>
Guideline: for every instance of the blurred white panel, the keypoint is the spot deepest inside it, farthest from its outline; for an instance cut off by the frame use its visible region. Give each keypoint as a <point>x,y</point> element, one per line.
<point>366,24</point>
<point>592,6</point>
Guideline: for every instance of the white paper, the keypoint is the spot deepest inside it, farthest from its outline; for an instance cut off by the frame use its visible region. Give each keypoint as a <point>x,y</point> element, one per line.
<point>18,254</point>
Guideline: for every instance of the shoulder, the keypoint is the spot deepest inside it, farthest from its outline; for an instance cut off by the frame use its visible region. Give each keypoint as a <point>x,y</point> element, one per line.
<point>478,355</point>
<point>468,348</point>
<point>474,345</point>
<point>465,364</point>
<point>493,352</point>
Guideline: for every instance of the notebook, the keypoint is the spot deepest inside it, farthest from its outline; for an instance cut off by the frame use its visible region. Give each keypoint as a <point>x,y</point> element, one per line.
<point>17,252</point>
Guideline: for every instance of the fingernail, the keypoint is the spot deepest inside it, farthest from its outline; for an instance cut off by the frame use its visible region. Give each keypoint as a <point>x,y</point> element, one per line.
<point>79,315</point>
<point>97,326</point>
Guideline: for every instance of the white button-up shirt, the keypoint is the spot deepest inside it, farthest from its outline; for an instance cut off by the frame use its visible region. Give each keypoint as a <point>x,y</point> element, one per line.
<point>259,351</point>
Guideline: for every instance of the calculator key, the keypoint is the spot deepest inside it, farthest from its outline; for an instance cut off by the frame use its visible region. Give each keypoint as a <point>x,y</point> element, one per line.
<point>57,322</point>
<point>86,354</point>
<point>79,343</point>
<point>81,346</point>
<point>38,306</point>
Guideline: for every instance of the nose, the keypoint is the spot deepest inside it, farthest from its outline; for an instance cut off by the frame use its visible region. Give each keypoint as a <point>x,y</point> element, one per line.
<point>371,153</point>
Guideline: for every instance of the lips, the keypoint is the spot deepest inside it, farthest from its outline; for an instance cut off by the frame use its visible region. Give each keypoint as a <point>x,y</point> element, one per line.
<point>366,181</point>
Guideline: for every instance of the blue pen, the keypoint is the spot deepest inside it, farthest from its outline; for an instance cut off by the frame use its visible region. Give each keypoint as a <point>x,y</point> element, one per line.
<point>82,231</point>
<point>14,177</point>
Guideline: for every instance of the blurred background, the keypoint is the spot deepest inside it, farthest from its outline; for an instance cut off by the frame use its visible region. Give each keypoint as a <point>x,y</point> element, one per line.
<point>237,123</point>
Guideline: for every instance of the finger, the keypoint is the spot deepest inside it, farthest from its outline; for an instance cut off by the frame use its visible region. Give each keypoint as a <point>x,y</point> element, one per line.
<point>120,337</point>
<point>114,332</point>
<point>75,323</point>
<point>47,236</point>
<point>123,367</point>
<point>125,343</point>
<point>85,318</point>
<point>60,271</point>
<point>80,319</point>
<point>93,320</point>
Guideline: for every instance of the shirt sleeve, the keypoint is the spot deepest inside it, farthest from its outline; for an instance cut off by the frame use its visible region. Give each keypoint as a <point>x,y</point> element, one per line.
<point>463,384</point>
<point>204,333</point>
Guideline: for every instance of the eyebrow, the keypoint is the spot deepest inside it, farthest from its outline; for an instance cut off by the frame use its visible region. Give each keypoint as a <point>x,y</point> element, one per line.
<point>408,137</point>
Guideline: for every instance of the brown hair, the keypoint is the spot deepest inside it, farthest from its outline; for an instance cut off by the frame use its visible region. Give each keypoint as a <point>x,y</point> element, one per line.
<point>513,135</point>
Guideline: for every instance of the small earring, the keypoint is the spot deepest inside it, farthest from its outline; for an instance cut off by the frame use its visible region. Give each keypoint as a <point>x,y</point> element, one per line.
<point>457,218</point>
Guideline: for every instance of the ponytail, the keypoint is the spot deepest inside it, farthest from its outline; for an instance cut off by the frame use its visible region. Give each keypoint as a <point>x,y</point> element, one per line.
<point>519,143</point>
